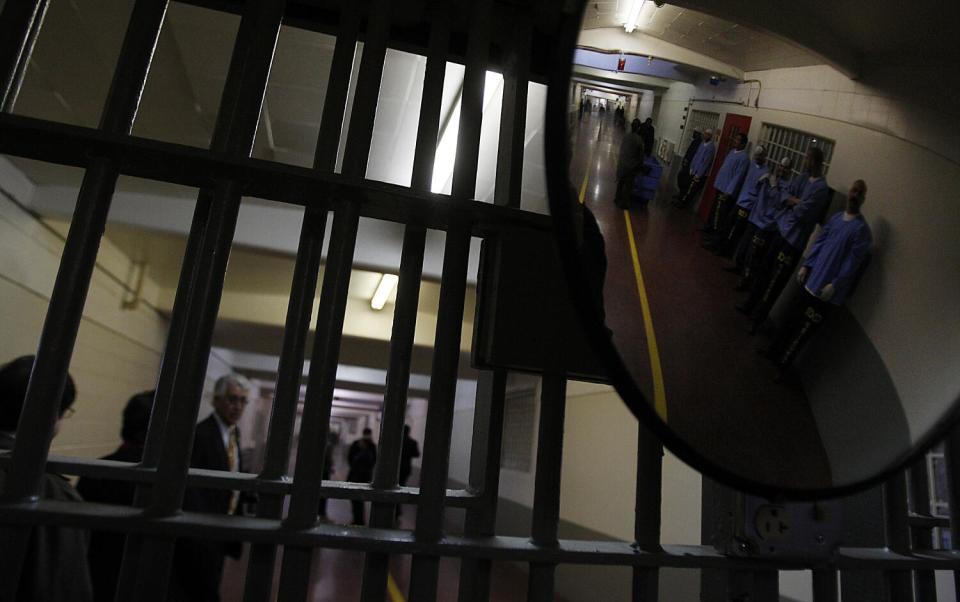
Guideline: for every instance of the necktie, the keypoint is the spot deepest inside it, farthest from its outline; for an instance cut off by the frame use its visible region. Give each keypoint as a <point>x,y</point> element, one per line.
<point>233,451</point>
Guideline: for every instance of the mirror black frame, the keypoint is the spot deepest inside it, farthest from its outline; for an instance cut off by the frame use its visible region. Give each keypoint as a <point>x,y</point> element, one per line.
<point>556,145</point>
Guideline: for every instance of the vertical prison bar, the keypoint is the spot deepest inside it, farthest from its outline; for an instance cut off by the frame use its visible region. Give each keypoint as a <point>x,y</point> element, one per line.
<point>234,135</point>
<point>921,538</point>
<point>546,494</point>
<point>646,524</point>
<point>20,26</point>
<point>295,571</point>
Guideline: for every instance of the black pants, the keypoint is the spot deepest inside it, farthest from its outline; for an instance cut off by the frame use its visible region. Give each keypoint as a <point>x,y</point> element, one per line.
<point>804,315</point>
<point>722,204</point>
<point>683,178</point>
<point>693,191</point>
<point>778,264</point>
<point>728,239</point>
<point>752,250</point>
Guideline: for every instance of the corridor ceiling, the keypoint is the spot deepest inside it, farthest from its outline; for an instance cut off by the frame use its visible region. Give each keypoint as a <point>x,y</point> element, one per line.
<point>849,34</point>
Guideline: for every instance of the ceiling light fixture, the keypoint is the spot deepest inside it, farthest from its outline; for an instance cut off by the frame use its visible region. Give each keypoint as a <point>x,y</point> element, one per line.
<point>633,15</point>
<point>387,283</point>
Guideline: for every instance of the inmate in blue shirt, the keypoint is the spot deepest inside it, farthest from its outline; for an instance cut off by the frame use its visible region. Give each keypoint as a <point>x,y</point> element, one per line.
<point>769,194</point>
<point>702,160</point>
<point>732,171</point>
<point>836,256</point>
<point>748,194</point>
<point>797,222</point>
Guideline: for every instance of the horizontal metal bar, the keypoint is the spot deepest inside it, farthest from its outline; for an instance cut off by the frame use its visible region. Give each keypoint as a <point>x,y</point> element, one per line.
<point>514,549</point>
<point>190,166</point>
<point>918,521</point>
<point>243,481</point>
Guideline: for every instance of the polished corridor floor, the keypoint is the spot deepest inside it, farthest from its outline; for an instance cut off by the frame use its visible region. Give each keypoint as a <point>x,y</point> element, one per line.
<point>337,574</point>
<point>714,390</point>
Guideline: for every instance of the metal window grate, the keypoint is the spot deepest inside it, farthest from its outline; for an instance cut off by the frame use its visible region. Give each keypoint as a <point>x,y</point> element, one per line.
<point>224,173</point>
<point>698,120</point>
<point>518,427</point>
<point>783,142</point>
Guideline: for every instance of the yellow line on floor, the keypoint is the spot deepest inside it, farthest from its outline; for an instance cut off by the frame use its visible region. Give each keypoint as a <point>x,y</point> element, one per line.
<point>393,591</point>
<point>659,394</point>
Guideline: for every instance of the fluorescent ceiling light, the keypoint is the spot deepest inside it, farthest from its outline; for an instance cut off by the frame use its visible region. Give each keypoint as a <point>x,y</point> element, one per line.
<point>633,15</point>
<point>387,283</point>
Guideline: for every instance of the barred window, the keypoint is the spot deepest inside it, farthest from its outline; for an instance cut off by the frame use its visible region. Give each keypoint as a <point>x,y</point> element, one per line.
<point>939,494</point>
<point>783,142</point>
<point>697,120</point>
<point>519,412</point>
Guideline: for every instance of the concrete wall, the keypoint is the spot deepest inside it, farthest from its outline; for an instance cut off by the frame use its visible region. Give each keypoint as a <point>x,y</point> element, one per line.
<point>598,488</point>
<point>907,147</point>
<point>117,353</point>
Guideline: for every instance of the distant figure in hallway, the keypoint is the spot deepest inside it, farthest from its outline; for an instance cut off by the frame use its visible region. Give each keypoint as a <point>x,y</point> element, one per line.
<point>409,450</point>
<point>683,178</point>
<point>198,563</point>
<point>629,163</point>
<point>727,184</point>
<point>648,135</point>
<point>329,448</point>
<point>804,204</point>
<point>699,170</point>
<point>106,547</point>
<point>55,565</point>
<point>361,457</point>
<point>581,110</point>
<point>826,276</point>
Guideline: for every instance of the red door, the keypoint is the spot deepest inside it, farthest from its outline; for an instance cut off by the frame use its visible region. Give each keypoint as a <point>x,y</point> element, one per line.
<point>732,125</point>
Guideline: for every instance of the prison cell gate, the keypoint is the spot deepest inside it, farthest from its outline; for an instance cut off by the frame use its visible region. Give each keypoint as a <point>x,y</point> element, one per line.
<point>223,173</point>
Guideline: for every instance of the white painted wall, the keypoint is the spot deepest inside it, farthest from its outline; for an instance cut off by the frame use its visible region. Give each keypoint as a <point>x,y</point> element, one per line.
<point>909,154</point>
<point>117,353</point>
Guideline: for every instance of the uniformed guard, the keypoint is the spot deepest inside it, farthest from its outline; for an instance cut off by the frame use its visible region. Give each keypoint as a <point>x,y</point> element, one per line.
<point>699,169</point>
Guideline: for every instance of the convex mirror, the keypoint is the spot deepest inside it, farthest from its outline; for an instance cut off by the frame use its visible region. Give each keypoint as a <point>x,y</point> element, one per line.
<point>772,287</point>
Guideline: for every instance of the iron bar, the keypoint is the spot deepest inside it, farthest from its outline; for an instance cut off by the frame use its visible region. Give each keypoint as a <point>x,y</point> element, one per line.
<point>21,21</point>
<point>20,24</point>
<point>443,388</point>
<point>897,584</point>
<point>951,453</point>
<point>646,525</point>
<point>233,135</point>
<point>305,494</point>
<point>499,548</point>
<point>428,127</point>
<point>485,451</point>
<point>546,495</point>
<point>190,166</point>
<point>386,471</point>
<point>513,115</point>
<point>921,534</point>
<point>260,566</point>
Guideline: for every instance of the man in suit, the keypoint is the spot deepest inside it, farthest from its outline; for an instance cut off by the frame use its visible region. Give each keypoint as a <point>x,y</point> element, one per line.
<point>216,446</point>
<point>106,547</point>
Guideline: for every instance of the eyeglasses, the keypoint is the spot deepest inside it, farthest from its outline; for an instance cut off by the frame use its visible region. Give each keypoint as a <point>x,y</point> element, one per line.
<point>236,399</point>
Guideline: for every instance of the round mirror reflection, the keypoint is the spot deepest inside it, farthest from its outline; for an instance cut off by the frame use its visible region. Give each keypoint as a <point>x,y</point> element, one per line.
<point>768,268</point>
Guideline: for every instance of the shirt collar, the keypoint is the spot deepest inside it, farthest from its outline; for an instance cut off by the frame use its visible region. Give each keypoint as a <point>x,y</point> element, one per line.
<point>224,429</point>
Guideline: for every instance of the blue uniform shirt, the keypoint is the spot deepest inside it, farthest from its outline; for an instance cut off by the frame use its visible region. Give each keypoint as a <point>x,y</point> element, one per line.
<point>732,171</point>
<point>797,222</point>
<point>768,199</point>
<point>748,194</point>
<point>702,160</point>
<point>836,256</point>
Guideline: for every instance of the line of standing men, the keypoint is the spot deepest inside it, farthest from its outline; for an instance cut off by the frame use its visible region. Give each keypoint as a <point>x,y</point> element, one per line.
<point>764,219</point>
